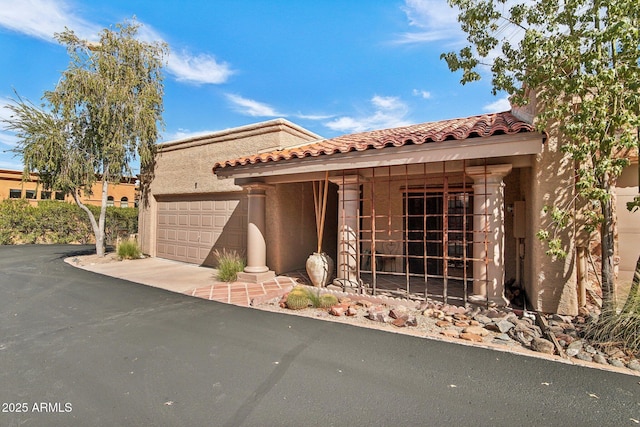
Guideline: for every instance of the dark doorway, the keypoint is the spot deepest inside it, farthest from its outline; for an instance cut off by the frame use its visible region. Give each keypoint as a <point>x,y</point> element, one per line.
<point>439,232</point>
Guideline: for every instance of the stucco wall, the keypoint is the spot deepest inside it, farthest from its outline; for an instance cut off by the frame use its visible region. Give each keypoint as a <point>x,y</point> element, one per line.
<point>551,283</point>
<point>628,224</point>
<point>291,226</point>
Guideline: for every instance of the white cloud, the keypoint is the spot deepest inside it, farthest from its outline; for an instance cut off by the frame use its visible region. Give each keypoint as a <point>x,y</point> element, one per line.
<point>313,116</point>
<point>252,108</point>
<point>422,93</point>
<point>433,19</point>
<point>202,68</point>
<point>185,134</point>
<point>42,18</point>
<point>388,112</point>
<point>498,106</point>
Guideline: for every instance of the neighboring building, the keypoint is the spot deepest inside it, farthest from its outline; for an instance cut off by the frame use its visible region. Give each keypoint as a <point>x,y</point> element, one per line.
<point>448,209</point>
<point>13,187</point>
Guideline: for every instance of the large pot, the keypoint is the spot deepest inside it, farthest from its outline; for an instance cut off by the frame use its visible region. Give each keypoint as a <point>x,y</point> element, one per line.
<point>319,268</point>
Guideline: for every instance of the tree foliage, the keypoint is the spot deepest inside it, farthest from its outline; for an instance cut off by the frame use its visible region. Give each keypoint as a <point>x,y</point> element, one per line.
<point>103,114</point>
<point>581,58</point>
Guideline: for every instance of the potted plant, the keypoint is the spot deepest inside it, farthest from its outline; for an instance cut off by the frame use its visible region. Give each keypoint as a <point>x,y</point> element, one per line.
<point>319,264</point>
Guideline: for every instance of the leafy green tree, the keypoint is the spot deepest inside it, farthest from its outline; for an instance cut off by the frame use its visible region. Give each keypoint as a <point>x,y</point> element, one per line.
<point>103,114</point>
<point>581,57</point>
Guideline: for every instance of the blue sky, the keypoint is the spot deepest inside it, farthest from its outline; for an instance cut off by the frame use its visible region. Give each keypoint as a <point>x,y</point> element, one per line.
<point>331,66</point>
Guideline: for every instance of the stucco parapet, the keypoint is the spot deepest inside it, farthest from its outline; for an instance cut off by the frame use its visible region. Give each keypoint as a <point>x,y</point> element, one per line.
<point>256,129</point>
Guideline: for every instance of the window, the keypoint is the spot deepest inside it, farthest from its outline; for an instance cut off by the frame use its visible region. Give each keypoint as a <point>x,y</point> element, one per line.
<point>45,195</point>
<point>110,201</point>
<point>124,202</point>
<point>59,195</point>
<point>30,194</point>
<point>15,194</point>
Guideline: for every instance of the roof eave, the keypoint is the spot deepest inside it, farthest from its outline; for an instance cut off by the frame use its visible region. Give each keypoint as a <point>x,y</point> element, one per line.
<point>524,143</point>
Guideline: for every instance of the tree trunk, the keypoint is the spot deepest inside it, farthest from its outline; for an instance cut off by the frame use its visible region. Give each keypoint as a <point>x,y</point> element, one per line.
<point>607,242</point>
<point>94,224</point>
<point>97,226</point>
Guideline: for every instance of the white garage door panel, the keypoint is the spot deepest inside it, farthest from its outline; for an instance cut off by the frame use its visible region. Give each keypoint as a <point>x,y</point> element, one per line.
<point>188,230</point>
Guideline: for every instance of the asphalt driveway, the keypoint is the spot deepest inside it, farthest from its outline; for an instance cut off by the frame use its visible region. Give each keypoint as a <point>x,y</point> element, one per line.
<point>78,348</point>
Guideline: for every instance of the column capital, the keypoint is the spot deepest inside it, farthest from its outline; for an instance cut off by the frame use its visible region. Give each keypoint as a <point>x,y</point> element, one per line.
<point>491,172</point>
<point>347,179</point>
<point>257,187</point>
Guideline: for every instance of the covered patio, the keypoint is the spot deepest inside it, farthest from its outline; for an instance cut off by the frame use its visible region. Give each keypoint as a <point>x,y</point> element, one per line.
<point>435,210</point>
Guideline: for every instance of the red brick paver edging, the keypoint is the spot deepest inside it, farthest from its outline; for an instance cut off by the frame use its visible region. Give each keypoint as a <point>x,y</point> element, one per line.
<point>242,293</point>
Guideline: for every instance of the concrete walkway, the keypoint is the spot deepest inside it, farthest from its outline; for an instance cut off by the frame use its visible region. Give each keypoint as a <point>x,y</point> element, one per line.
<point>188,279</point>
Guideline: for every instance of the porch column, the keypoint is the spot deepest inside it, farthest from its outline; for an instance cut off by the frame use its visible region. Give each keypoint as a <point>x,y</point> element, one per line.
<point>256,270</point>
<point>488,232</point>
<point>348,201</point>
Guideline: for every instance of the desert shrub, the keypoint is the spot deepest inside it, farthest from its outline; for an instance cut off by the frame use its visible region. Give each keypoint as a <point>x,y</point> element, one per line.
<point>298,298</point>
<point>60,222</point>
<point>301,297</point>
<point>129,249</point>
<point>230,263</point>
<point>16,222</point>
<point>53,221</point>
<point>327,300</point>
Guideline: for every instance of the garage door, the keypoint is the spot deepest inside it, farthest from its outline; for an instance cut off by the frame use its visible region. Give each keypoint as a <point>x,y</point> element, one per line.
<point>190,228</point>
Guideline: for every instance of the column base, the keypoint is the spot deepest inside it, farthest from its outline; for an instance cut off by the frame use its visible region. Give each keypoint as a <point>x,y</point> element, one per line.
<point>482,300</point>
<point>256,277</point>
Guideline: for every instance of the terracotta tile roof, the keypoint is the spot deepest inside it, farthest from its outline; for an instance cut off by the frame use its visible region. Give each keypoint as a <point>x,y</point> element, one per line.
<point>453,129</point>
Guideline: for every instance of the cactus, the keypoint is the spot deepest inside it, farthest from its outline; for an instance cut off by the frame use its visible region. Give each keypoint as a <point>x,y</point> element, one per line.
<point>327,300</point>
<point>298,299</point>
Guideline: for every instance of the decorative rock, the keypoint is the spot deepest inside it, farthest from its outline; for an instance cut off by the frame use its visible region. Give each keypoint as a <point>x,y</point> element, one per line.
<point>574,348</point>
<point>634,365</point>
<point>471,337</point>
<point>503,337</point>
<point>476,330</point>
<point>443,323</point>
<point>377,313</point>
<point>542,346</point>
<point>461,324</point>
<point>460,316</point>
<point>364,303</point>
<point>568,339</point>
<point>599,358</point>
<point>483,319</point>
<point>400,322</point>
<point>398,312</point>
<point>584,356</point>
<point>344,300</point>
<point>505,326</point>
<point>452,333</point>
<point>474,323</point>
<point>351,311</point>
<point>336,310</point>
<point>412,321</point>
<point>589,349</point>
<point>617,363</point>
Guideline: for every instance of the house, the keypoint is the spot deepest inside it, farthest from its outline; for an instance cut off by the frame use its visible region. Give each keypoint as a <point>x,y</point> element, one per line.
<point>186,212</point>
<point>12,186</point>
<point>448,209</point>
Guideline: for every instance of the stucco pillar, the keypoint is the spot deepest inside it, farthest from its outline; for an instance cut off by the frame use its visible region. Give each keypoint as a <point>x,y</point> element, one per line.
<point>256,270</point>
<point>348,202</point>
<point>488,232</point>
